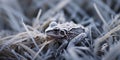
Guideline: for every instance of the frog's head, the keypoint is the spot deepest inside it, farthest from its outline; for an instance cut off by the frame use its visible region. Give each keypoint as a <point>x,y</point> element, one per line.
<point>54,31</point>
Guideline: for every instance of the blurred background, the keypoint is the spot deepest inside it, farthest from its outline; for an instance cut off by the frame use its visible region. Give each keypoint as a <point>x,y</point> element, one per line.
<point>78,11</point>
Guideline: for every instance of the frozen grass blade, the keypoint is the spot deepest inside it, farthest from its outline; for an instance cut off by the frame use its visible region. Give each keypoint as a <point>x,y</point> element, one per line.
<point>15,54</point>
<point>115,19</point>
<point>28,55</point>
<point>73,53</point>
<point>100,15</point>
<point>114,52</point>
<point>105,6</point>
<point>44,44</point>
<point>53,10</point>
<point>29,50</point>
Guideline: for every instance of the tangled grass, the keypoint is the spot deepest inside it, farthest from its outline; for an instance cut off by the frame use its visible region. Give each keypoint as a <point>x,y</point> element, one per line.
<point>23,24</point>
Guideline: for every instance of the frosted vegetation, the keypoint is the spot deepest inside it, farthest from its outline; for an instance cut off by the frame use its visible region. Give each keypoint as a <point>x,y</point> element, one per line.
<point>23,24</point>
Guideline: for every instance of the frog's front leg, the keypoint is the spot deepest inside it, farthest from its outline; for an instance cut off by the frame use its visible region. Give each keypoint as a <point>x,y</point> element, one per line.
<point>76,40</point>
<point>62,46</point>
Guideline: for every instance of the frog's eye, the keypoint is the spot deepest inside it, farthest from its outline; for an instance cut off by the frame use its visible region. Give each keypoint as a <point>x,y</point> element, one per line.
<point>52,24</point>
<point>63,32</point>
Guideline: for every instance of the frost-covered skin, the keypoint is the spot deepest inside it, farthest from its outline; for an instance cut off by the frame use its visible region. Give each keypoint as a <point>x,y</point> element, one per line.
<point>64,32</point>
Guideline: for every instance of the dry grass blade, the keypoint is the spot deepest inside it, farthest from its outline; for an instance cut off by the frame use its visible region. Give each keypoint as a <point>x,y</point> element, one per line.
<point>30,35</point>
<point>104,38</point>
<point>37,22</point>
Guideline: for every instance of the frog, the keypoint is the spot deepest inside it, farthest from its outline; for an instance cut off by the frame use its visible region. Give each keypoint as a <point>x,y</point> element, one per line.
<point>68,29</point>
<point>64,32</point>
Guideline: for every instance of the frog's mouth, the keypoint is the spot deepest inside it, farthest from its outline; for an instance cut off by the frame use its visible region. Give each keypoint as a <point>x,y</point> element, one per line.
<point>55,34</point>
